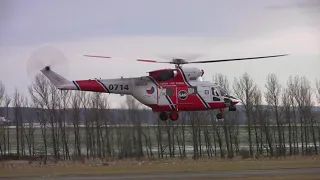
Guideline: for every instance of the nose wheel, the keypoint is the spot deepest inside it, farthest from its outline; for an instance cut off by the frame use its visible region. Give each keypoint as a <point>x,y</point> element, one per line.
<point>232,108</point>
<point>219,116</point>
<point>172,115</point>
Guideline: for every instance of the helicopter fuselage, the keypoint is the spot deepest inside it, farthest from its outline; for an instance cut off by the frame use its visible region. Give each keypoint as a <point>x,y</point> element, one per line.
<point>164,90</point>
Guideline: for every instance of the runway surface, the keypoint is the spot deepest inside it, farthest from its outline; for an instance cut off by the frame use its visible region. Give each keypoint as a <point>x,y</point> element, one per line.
<point>211,174</point>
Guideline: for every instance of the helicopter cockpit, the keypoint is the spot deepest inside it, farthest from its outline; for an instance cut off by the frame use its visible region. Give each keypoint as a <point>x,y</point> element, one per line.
<point>219,92</point>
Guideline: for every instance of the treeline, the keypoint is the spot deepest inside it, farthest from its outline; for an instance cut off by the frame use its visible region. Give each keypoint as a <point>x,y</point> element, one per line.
<point>286,126</point>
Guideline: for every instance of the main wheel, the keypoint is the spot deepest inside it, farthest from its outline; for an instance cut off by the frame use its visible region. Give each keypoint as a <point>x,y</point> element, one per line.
<point>174,116</point>
<point>219,116</point>
<point>232,108</point>
<point>163,116</point>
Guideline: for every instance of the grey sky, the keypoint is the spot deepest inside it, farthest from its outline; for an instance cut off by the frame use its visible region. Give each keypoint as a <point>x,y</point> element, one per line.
<point>128,30</point>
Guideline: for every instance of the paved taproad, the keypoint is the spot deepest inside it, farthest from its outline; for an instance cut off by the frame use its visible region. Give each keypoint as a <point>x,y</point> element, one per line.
<point>211,174</point>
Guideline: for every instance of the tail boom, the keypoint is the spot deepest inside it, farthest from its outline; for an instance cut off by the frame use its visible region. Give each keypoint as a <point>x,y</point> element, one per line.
<point>90,85</point>
<point>116,86</point>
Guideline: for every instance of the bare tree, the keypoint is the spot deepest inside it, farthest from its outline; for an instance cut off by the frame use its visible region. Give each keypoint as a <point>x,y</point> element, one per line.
<point>29,132</point>
<point>65,97</point>
<point>6,138</point>
<point>273,99</point>
<point>257,118</point>
<point>180,134</point>
<point>2,127</point>
<point>244,89</point>
<point>318,90</point>
<point>223,81</point>
<point>286,104</point>
<point>133,105</point>
<point>293,103</point>
<point>17,103</point>
<point>2,91</point>
<point>303,96</point>
<point>44,94</point>
<point>76,104</point>
<point>105,132</point>
<point>194,117</point>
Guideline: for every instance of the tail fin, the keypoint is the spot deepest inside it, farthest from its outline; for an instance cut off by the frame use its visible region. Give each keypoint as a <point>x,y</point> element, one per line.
<point>55,78</point>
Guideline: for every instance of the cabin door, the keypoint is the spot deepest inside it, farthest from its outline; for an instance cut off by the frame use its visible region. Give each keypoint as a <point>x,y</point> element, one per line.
<point>167,95</point>
<point>204,92</point>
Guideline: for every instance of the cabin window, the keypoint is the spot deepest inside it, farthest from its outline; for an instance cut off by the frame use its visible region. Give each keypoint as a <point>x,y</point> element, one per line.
<point>169,91</point>
<point>216,99</point>
<point>192,90</point>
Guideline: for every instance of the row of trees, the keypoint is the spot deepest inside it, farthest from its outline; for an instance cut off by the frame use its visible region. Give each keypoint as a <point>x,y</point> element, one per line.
<point>285,126</point>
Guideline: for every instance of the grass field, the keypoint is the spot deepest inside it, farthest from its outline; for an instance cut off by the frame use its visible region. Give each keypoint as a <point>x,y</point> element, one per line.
<point>162,166</point>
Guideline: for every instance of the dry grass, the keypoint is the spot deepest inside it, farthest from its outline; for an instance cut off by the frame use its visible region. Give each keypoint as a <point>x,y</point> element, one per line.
<point>278,177</point>
<point>173,165</point>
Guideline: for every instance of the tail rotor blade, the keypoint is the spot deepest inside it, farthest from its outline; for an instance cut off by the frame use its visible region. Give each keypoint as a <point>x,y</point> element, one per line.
<point>47,56</point>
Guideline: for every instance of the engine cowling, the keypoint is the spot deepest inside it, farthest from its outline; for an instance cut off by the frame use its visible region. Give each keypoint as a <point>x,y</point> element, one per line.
<point>164,75</point>
<point>193,73</point>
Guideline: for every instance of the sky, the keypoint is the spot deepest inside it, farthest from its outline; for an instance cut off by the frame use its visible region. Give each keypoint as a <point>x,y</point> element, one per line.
<point>158,29</point>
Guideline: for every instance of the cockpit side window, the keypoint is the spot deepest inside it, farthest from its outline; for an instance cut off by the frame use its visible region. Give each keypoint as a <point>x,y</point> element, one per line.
<point>169,91</point>
<point>214,91</point>
<point>192,90</point>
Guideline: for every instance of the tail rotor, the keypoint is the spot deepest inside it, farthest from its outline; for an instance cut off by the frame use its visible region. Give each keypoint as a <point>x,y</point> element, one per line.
<point>47,57</point>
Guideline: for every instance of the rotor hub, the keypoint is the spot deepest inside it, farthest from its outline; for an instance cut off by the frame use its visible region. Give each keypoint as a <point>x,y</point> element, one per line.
<point>178,61</point>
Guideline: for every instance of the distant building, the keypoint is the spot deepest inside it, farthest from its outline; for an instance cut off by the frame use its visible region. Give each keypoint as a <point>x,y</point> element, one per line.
<point>3,120</point>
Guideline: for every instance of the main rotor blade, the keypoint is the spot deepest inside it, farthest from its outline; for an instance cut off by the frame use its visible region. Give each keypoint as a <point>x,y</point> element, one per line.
<point>236,59</point>
<point>97,56</point>
<point>152,61</point>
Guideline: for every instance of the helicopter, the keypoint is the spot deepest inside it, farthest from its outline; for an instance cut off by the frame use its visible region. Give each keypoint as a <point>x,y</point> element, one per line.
<point>166,91</point>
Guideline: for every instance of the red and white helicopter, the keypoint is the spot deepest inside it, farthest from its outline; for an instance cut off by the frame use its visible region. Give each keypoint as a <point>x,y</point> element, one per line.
<point>165,91</point>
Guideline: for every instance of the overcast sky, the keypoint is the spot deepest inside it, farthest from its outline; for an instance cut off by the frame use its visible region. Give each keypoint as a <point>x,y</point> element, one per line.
<point>127,30</point>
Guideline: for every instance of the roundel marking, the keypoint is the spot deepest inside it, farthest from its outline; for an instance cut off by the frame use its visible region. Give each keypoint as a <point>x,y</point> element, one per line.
<point>182,95</point>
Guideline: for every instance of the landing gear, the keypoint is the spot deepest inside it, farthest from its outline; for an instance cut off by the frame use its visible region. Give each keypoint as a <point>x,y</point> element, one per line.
<point>232,108</point>
<point>163,116</point>
<point>219,116</point>
<point>228,102</point>
<point>172,115</point>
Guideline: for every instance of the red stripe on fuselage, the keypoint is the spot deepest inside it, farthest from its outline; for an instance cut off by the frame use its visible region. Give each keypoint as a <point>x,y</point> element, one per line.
<point>90,85</point>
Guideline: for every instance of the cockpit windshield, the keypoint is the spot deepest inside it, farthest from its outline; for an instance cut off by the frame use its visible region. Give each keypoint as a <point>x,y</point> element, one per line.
<point>218,91</point>
<point>223,92</point>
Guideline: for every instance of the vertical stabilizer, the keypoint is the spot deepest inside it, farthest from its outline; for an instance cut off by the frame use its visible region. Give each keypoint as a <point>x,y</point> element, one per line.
<point>55,78</point>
